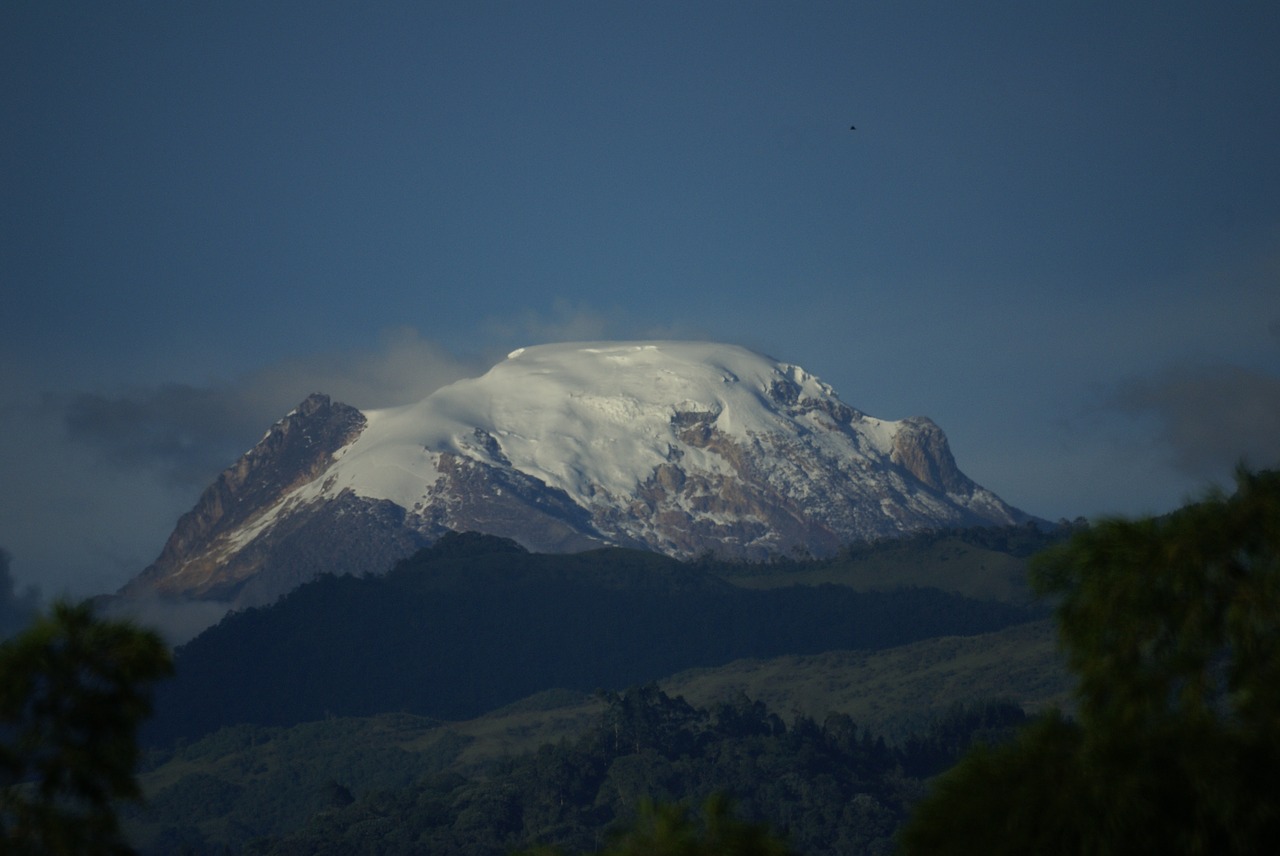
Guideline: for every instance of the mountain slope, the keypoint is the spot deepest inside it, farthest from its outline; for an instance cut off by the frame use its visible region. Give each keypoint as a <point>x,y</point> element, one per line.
<point>677,447</point>
<point>475,622</point>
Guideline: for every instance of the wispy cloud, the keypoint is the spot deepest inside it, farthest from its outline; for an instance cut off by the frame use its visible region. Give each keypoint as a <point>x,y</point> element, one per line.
<point>186,434</point>
<point>177,621</point>
<point>181,432</point>
<point>1209,418</point>
<point>103,475</point>
<point>564,322</point>
<point>402,368</point>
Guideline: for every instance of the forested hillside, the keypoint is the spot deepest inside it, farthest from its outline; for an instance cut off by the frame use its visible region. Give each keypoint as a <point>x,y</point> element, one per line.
<point>393,785</point>
<point>471,699</point>
<point>477,622</point>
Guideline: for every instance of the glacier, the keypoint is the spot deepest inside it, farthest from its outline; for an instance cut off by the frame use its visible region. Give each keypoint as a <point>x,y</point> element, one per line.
<point>674,446</point>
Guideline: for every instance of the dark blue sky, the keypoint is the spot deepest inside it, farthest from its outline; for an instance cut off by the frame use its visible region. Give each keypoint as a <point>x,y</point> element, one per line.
<point>1055,231</point>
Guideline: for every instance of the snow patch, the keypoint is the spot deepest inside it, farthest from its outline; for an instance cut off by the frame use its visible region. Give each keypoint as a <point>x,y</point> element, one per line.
<point>593,419</point>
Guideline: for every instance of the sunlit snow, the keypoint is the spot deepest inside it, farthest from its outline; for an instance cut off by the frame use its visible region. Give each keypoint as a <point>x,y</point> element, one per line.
<point>671,445</point>
<point>583,417</point>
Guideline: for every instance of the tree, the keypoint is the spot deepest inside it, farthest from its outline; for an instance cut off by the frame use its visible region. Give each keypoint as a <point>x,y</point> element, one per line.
<point>73,689</point>
<point>671,829</point>
<point>646,717</point>
<point>1172,626</point>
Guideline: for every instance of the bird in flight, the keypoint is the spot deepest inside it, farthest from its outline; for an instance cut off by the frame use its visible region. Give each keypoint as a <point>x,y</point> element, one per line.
<point>852,128</point>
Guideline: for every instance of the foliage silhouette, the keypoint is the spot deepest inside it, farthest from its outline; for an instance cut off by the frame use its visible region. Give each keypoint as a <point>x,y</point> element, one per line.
<point>73,689</point>
<point>671,829</point>
<point>1172,625</point>
<point>825,789</point>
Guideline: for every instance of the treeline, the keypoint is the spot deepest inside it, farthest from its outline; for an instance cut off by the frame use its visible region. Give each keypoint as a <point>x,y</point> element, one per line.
<point>1021,540</point>
<point>1171,625</point>
<point>476,622</point>
<point>825,787</point>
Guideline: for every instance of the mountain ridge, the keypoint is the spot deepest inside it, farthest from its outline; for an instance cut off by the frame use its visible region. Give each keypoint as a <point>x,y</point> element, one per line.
<point>678,447</point>
<point>474,622</point>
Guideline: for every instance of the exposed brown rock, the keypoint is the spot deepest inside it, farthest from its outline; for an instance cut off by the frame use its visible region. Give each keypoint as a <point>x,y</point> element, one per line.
<point>295,451</point>
<point>921,448</point>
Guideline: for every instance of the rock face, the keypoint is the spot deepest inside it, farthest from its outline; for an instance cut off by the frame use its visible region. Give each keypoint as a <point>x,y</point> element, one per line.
<point>677,447</point>
<point>209,555</point>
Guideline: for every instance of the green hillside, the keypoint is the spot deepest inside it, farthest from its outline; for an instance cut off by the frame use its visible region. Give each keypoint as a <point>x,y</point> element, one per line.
<point>475,623</point>
<point>984,564</point>
<point>435,687</point>
<point>249,782</point>
<point>406,783</point>
<point>895,691</point>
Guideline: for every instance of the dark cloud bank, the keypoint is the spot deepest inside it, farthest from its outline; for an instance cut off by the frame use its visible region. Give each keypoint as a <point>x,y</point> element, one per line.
<point>183,433</point>
<point>187,434</point>
<point>1210,418</point>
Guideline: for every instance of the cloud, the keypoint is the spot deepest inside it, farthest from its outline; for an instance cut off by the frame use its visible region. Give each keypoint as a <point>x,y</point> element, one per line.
<point>178,621</point>
<point>566,322</point>
<point>1209,418</point>
<point>404,368</point>
<point>75,523</point>
<point>181,432</point>
<point>575,322</point>
<point>97,479</point>
<point>186,434</point>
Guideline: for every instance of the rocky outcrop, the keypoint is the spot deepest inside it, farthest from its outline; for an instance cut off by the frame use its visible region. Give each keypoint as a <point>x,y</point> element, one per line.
<point>475,496</point>
<point>921,449</point>
<point>293,452</point>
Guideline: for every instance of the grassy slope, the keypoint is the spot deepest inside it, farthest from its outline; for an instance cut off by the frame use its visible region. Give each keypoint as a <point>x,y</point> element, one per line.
<point>269,780</point>
<point>893,691</point>
<point>949,563</point>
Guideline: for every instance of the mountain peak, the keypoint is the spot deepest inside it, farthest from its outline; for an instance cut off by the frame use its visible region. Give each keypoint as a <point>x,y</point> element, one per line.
<point>677,447</point>
<point>292,452</point>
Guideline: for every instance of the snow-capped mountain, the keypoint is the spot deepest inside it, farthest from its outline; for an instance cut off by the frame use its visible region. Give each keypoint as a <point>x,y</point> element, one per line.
<point>678,447</point>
